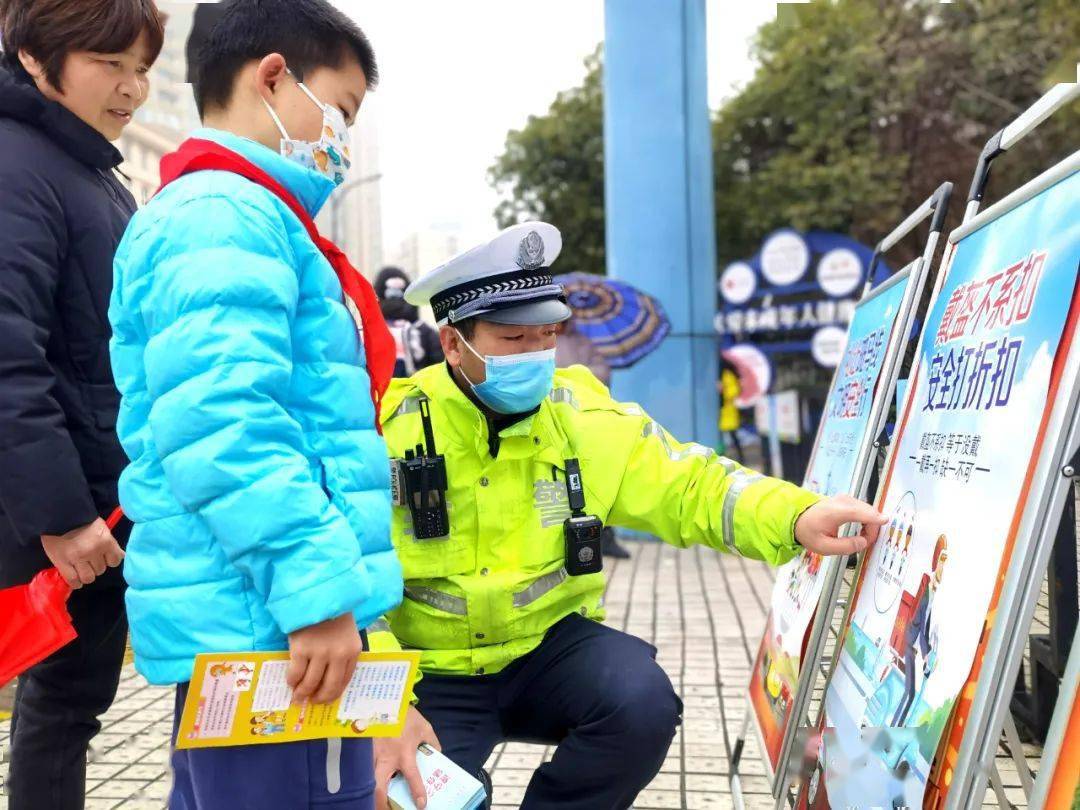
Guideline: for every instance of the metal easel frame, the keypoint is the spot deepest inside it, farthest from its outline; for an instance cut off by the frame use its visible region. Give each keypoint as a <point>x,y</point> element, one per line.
<point>1068,698</point>
<point>1051,484</point>
<point>826,664</point>
<point>934,207</point>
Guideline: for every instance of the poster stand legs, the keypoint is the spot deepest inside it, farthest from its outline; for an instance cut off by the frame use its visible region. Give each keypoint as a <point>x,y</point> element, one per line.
<point>1051,768</point>
<point>1016,752</point>
<point>736,756</point>
<point>1037,694</point>
<point>803,720</point>
<point>1016,749</point>
<point>999,789</point>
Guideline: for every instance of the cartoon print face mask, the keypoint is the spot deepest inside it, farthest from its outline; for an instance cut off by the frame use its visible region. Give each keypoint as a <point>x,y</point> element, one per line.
<point>329,156</point>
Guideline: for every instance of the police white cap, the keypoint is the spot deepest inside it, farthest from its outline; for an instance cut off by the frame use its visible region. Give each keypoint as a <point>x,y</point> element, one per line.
<point>507,280</point>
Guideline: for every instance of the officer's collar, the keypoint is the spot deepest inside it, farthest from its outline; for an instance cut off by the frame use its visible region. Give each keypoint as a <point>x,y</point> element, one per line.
<point>494,423</point>
<point>469,424</point>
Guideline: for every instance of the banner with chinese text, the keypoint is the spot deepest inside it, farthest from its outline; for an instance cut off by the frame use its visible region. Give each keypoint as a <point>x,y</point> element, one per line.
<point>833,470</point>
<point>987,371</point>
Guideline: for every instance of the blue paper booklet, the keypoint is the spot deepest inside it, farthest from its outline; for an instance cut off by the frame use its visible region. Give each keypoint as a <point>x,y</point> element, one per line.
<point>448,786</point>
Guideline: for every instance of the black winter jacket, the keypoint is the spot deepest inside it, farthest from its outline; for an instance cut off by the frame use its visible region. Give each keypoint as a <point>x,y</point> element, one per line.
<point>62,213</point>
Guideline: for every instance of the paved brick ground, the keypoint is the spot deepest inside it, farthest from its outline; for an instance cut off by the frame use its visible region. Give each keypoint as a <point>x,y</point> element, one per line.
<point>704,612</point>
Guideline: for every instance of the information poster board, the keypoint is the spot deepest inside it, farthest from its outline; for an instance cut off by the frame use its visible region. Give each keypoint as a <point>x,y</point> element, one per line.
<point>843,437</point>
<point>974,423</point>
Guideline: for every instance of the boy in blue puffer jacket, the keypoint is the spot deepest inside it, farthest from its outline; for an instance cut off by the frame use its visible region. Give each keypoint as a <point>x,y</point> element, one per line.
<point>258,483</point>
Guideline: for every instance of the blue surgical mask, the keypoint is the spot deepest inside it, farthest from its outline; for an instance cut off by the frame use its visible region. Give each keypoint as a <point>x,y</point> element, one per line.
<point>515,383</point>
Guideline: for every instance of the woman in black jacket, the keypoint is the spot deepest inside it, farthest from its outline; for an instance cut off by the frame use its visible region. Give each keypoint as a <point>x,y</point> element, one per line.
<point>72,75</point>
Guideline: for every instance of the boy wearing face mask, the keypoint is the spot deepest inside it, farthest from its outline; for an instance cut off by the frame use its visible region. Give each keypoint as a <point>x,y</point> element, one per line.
<point>251,357</point>
<point>505,603</point>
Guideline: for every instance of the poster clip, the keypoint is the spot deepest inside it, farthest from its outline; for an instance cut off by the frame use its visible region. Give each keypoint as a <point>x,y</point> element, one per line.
<point>882,441</point>
<point>1072,466</point>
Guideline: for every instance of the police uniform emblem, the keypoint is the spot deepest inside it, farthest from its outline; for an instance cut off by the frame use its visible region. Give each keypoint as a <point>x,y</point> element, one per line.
<point>531,251</point>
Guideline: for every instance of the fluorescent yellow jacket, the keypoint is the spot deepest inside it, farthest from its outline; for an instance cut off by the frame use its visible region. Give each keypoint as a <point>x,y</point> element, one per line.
<point>484,596</point>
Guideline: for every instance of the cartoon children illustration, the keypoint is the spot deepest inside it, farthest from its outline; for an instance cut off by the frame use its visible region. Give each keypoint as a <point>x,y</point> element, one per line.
<point>906,549</point>
<point>264,724</point>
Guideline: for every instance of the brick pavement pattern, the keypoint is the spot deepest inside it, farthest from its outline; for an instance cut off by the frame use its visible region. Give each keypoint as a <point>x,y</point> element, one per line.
<point>704,611</point>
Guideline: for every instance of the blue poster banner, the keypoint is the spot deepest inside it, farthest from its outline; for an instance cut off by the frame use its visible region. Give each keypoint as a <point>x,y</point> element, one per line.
<point>847,410</point>
<point>833,470</point>
<point>955,488</point>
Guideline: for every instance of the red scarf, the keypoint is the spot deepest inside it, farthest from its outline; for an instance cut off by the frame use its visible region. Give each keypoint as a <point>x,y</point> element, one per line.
<point>195,155</point>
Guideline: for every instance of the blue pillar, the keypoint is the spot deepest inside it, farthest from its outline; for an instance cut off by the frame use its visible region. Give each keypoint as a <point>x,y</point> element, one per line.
<point>659,201</point>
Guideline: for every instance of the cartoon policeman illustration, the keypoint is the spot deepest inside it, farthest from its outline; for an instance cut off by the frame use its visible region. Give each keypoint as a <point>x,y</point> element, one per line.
<point>921,632</point>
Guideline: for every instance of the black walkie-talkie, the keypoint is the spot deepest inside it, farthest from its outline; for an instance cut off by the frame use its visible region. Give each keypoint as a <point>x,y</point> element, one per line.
<point>419,482</point>
<point>582,532</point>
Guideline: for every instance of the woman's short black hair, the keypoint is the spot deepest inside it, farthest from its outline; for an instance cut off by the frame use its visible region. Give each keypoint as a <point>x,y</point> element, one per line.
<point>49,30</point>
<point>308,33</point>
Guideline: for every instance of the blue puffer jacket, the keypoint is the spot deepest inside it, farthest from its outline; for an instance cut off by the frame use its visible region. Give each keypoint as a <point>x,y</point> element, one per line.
<point>258,484</point>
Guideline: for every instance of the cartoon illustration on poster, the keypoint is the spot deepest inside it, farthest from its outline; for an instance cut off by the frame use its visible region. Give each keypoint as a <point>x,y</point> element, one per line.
<point>832,471</point>
<point>965,443</point>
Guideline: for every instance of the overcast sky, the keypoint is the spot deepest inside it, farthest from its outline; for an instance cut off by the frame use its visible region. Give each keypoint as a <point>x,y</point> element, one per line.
<point>457,76</point>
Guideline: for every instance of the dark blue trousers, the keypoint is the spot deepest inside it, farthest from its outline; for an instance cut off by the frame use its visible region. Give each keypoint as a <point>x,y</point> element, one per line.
<point>596,693</point>
<point>297,775</point>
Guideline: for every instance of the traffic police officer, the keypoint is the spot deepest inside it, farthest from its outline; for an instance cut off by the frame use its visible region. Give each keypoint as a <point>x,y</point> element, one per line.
<point>505,470</point>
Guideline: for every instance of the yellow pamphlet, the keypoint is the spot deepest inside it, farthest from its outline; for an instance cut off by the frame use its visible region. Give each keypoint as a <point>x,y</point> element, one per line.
<point>243,699</point>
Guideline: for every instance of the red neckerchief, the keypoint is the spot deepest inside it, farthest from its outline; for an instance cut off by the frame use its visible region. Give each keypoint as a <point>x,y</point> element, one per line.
<point>195,155</point>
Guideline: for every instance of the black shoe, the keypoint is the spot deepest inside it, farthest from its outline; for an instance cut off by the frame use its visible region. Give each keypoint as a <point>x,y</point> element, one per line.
<point>609,547</point>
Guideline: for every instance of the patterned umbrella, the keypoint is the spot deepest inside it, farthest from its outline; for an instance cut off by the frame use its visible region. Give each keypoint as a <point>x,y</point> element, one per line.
<point>624,323</point>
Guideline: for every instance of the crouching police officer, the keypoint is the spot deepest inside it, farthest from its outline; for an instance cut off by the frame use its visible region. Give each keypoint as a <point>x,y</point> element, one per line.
<point>506,472</point>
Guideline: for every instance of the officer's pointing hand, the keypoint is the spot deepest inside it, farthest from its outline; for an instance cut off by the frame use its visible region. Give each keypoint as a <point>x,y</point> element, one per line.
<point>817,528</point>
<point>398,755</point>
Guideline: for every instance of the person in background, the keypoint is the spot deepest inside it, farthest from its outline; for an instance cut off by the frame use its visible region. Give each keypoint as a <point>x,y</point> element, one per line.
<point>258,483</point>
<point>728,388</point>
<point>417,342</point>
<point>574,349</point>
<point>72,74</point>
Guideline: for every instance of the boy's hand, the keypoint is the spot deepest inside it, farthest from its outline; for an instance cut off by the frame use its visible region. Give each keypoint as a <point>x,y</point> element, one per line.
<point>322,659</point>
<point>398,755</point>
<point>817,528</point>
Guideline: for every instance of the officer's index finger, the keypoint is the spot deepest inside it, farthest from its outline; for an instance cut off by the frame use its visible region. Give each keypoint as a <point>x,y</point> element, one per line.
<point>854,511</point>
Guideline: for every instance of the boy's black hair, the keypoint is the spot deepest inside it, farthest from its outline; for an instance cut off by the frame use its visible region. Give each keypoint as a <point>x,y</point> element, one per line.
<point>308,33</point>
